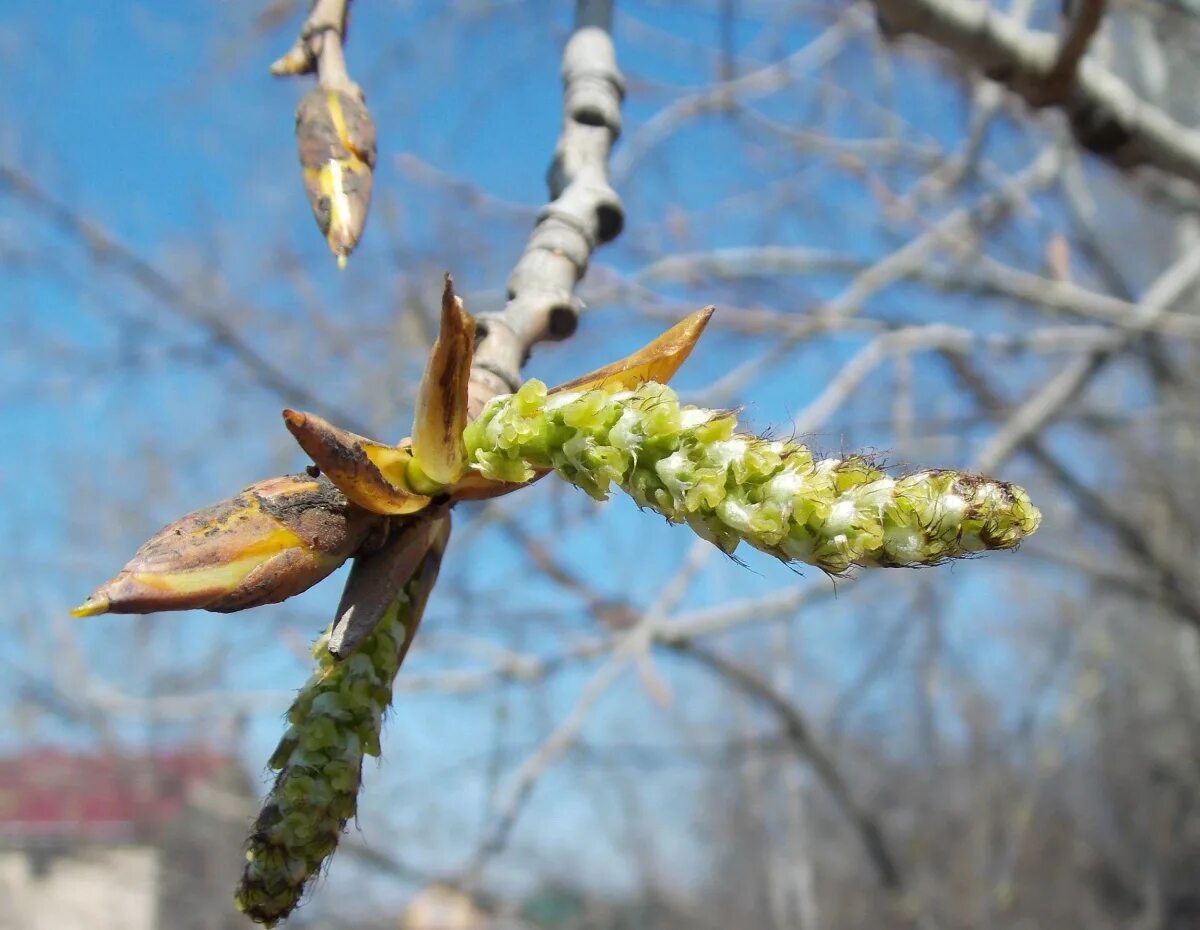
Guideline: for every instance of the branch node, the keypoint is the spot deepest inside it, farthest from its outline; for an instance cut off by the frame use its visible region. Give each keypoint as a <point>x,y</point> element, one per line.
<point>584,212</point>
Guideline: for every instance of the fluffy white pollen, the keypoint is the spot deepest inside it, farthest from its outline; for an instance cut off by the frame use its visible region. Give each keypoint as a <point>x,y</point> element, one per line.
<point>953,507</point>
<point>842,513</point>
<point>623,435</point>
<point>784,486</point>
<point>988,493</point>
<point>902,544</point>
<point>825,466</point>
<point>727,451</point>
<point>668,470</point>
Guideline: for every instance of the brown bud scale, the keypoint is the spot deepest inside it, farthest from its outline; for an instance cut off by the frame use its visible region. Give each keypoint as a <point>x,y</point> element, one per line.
<point>273,540</point>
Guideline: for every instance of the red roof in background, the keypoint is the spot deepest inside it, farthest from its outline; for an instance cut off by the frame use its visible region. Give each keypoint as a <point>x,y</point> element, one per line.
<point>49,792</point>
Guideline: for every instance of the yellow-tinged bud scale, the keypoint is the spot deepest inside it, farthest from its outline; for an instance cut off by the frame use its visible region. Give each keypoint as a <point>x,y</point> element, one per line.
<point>336,141</point>
<point>371,474</point>
<point>441,411</point>
<point>273,540</point>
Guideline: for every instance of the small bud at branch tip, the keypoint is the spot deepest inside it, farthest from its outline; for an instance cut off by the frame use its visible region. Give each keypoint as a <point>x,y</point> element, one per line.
<point>336,142</point>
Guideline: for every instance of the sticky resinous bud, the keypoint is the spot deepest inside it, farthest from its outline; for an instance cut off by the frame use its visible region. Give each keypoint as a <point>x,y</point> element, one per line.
<point>336,141</point>
<point>273,540</point>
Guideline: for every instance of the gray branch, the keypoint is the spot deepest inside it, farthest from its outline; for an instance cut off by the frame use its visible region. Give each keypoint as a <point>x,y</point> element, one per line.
<point>1106,115</point>
<point>584,212</point>
<point>810,751</point>
<point>319,49</point>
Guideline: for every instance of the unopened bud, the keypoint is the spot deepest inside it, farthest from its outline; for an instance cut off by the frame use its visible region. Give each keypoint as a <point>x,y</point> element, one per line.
<point>336,141</point>
<point>273,540</point>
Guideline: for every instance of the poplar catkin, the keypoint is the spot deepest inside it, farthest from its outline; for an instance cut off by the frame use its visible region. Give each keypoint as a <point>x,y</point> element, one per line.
<point>334,722</point>
<point>689,465</point>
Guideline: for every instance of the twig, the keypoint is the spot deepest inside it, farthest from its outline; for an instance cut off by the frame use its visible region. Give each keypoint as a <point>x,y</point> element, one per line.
<point>536,763</point>
<point>799,732</point>
<point>1043,406</point>
<point>985,276</point>
<point>319,47</point>
<point>894,267</point>
<point>1081,24</point>
<point>585,212</point>
<point>515,667</point>
<point>1106,115</point>
<point>753,85</point>
<point>630,646</point>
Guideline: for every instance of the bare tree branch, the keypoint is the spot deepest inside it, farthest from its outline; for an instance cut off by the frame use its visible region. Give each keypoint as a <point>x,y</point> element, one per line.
<point>800,734</point>
<point>896,266</point>
<point>319,47</point>
<point>585,212</point>
<point>1083,19</point>
<point>753,85</point>
<point>1042,407</point>
<point>1106,115</point>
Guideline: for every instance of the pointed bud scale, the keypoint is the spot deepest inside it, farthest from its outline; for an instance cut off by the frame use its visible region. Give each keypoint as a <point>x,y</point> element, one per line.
<point>297,60</point>
<point>441,410</point>
<point>376,580</point>
<point>690,465</point>
<point>371,474</point>
<point>335,721</point>
<point>336,141</point>
<point>275,539</point>
<point>656,361</point>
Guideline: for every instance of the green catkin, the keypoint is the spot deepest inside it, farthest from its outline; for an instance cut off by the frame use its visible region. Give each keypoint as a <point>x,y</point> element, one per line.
<point>335,721</point>
<point>689,465</point>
